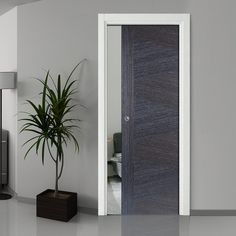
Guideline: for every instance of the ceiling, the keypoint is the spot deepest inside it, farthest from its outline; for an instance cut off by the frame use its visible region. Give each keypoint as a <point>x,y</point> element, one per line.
<point>6,5</point>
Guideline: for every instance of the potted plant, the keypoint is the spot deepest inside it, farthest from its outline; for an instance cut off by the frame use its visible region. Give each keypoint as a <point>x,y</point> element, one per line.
<point>53,129</point>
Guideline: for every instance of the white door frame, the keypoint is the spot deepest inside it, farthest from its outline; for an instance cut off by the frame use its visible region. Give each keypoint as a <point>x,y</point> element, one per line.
<point>183,20</point>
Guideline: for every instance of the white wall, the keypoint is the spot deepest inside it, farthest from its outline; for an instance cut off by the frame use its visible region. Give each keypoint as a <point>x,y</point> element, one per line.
<point>113,85</point>
<point>8,62</point>
<point>57,33</point>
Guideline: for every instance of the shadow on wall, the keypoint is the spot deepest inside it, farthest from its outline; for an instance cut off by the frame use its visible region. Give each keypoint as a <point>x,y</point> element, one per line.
<point>7,5</point>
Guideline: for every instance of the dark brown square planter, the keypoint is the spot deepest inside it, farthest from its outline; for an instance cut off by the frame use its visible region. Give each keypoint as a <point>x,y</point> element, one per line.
<point>62,207</point>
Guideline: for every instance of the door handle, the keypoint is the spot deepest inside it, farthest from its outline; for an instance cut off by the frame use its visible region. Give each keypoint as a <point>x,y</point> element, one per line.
<point>126,118</point>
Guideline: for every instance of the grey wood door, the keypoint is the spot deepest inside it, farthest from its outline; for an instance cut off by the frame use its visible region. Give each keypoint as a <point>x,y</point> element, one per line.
<point>150,119</point>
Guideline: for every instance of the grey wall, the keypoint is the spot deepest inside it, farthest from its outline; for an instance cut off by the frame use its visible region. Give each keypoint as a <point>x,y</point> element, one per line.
<point>57,33</point>
<point>55,37</point>
<point>213,113</point>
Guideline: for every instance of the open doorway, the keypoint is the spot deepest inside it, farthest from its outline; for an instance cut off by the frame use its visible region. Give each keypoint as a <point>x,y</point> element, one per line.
<point>114,114</point>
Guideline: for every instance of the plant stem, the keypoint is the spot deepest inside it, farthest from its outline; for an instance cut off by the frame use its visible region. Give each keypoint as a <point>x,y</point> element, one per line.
<point>59,156</point>
<point>56,183</point>
<point>62,166</point>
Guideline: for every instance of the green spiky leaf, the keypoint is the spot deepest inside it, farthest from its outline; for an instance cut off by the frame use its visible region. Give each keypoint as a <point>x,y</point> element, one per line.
<point>51,120</point>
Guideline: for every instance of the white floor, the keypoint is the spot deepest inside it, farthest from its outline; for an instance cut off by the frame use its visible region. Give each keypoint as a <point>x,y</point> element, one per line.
<point>114,196</point>
<point>18,219</point>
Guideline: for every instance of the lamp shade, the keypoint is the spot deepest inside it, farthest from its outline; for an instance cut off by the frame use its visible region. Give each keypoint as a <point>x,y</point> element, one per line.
<point>7,80</point>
